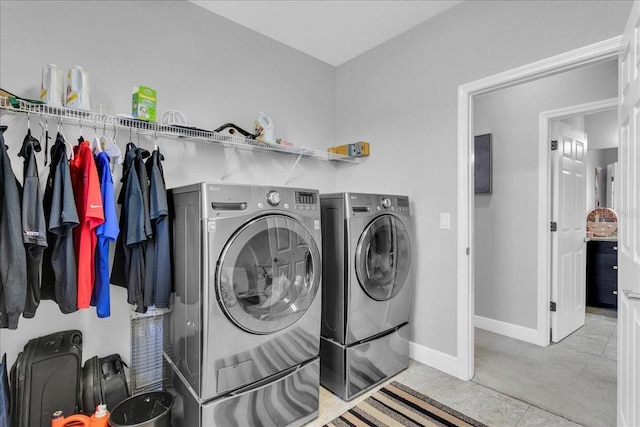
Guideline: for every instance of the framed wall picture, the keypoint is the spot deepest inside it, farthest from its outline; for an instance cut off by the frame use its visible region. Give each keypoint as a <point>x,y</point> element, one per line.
<point>482,164</point>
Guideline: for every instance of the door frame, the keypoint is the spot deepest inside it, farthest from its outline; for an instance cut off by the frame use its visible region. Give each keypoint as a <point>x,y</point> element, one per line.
<point>588,55</point>
<point>545,284</point>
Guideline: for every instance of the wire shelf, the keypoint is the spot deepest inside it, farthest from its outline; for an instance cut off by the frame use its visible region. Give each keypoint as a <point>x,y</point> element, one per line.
<point>97,120</point>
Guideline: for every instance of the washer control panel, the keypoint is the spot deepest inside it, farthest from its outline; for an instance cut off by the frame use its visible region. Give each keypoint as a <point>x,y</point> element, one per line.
<point>288,199</point>
<point>306,200</point>
<point>230,199</point>
<point>402,204</point>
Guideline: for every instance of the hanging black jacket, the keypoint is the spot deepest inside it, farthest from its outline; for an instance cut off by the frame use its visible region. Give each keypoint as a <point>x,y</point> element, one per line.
<point>34,228</point>
<point>13,264</point>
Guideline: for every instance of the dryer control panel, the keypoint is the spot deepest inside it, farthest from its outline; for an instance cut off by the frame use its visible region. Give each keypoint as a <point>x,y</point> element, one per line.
<point>367,204</point>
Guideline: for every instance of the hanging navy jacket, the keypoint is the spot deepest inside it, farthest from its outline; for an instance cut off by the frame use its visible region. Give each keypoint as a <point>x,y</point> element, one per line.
<point>157,288</point>
<point>13,263</point>
<point>128,265</point>
<point>59,271</point>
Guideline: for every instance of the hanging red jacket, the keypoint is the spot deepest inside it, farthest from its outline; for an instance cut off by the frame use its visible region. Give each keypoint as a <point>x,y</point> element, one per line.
<point>86,190</point>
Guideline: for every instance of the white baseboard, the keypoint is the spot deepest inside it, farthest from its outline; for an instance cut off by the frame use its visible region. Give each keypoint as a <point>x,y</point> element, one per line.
<point>436,359</point>
<point>510,330</point>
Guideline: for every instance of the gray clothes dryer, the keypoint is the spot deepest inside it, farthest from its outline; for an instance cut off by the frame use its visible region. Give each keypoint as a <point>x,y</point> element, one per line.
<point>367,284</point>
<point>245,325</point>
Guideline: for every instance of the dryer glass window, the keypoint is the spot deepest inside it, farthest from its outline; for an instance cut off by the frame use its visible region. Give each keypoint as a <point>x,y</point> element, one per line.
<point>268,274</point>
<point>383,257</point>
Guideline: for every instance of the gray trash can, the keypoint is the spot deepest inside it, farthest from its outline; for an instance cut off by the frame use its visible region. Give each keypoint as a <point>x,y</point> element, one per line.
<point>151,409</point>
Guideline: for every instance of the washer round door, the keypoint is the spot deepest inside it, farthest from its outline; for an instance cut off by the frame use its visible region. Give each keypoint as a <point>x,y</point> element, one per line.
<point>268,274</point>
<point>383,257</point>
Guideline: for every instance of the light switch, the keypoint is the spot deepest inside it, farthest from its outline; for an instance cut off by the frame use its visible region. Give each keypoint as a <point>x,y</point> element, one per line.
<point>445,221</point>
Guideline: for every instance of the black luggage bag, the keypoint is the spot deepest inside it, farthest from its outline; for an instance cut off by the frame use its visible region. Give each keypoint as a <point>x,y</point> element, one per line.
<point>103,381</point>
<point>46,378</point>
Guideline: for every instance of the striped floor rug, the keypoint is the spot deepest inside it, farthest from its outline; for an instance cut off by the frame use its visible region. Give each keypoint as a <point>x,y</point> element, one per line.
<point>398,405</point>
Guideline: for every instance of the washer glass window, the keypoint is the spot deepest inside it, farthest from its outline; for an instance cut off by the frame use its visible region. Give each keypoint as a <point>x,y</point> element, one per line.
<point>268,274</point>
<point>383,257</point>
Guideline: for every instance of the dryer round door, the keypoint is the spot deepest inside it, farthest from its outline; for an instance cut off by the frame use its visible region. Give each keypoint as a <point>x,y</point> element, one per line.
<point>268,274</point>
<point>383,257</point>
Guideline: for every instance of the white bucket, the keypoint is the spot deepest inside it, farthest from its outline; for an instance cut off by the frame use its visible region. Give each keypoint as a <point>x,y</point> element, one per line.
<point>52,87</point>
<point>78,89</point>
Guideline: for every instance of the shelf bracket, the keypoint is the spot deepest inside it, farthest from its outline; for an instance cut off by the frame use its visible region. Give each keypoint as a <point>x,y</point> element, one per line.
<point>292,168</point>
<point>226,164</point>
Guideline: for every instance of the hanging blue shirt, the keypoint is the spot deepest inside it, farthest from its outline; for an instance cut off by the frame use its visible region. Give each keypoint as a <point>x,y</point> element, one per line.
<point>107,233</point>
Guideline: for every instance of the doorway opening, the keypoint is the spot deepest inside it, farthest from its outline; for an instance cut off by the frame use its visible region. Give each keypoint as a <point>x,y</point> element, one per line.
<point>508,358</point>
<point>570,203</point>
<point>589,55</point>
<point>540,326</point>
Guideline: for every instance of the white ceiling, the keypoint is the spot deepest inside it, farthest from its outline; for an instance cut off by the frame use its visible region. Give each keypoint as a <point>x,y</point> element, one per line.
<point>332,31</point>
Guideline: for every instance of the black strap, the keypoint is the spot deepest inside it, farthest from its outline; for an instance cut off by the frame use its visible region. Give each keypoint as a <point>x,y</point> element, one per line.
<point>46,146</point>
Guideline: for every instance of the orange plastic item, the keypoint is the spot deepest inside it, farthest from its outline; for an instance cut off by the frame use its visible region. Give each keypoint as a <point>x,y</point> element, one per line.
<point>99,419</point>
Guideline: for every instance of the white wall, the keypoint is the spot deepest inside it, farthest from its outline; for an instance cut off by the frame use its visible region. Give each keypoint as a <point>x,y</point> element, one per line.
<point>602,129</point>
<point>576,122</point>
<point>506,232</point>
<point>602,134</point>
<point>599,158</point>
<point>595,158</point>
<point>211,69</point>
<point>402,97</point>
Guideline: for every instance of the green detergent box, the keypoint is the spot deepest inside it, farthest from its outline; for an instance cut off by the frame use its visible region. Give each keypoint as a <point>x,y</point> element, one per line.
<point>144,103</point>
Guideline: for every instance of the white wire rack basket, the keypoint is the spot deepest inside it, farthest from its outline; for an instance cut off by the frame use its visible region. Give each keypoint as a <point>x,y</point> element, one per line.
<point>149,333</point>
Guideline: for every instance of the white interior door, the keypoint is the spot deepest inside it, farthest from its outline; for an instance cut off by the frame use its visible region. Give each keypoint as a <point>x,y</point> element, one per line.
<point>628,196</point>
<point>568,250</point>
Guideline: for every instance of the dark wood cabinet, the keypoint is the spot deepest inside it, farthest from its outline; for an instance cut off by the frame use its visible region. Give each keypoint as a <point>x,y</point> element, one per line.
<point>602,273</point>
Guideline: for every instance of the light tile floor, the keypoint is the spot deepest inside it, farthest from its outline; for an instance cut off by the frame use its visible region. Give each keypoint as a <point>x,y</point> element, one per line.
<point>475,400</point>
